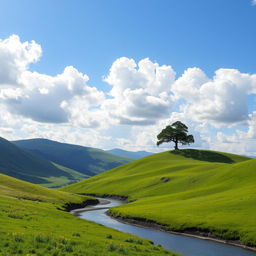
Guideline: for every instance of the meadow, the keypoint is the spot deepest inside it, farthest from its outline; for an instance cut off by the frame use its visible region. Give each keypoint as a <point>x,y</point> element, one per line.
<point>33,222</point>
<point>185,191</point>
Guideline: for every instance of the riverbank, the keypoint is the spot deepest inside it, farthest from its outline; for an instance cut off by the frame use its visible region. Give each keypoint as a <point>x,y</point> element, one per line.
<point>90,207</point>
<point>153,224</point>
<point>196,234</point>
<point>72,206</point>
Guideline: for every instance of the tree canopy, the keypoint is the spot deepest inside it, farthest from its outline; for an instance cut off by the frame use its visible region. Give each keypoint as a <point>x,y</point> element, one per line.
<point>177,133</point>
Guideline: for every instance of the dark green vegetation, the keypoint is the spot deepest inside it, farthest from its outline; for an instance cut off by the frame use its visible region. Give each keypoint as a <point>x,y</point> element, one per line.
<point>86,160</point>
<point>185,190</point>
<point>32,223</point>
<point>130,154</point>
<point>177,133</point>
<point>24,165</point>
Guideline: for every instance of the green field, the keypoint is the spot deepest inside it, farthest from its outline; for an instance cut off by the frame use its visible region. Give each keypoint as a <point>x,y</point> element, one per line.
<point>33,223</point>
<point>185,190</point>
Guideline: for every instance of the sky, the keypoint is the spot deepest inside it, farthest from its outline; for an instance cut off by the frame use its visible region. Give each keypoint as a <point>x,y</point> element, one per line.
<point>113,74</point>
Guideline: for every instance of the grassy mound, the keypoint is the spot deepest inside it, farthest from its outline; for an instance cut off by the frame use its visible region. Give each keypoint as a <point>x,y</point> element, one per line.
<point>185,190</point>
<point>24,190</point>
<point>31,224</point>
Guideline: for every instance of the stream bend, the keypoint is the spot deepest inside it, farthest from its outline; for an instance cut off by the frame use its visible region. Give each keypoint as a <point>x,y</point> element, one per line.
<point>188,246</point>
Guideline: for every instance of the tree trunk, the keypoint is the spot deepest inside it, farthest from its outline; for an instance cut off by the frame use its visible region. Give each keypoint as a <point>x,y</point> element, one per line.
<point>176,145</point>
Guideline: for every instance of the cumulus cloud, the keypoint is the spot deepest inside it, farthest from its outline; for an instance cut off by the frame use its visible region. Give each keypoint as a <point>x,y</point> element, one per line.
<point>140,94</point>
<point>220,100</point>
<point>144,93</point>
<point>62,98</point>
<point>15,58</point>
<point>143,98</point>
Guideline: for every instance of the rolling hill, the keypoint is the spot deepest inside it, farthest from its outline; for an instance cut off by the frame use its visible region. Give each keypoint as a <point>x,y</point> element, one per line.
<point>130,154</point>
<point>24,165</point>
<point>86,160</point>
<point>23,190</point>
<point>209,192</point>
<point>33,222</point>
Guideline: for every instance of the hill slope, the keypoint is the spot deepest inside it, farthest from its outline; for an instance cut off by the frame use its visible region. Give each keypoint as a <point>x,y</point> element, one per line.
<point>13,187</point>
<point>178,190</point>
<point>89,161</point>
<point>130,154</point>
<point>31,224</point>
<point>24,165</point>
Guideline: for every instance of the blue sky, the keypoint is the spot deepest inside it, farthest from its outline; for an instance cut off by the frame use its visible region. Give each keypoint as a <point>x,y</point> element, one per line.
<point>91,36</point>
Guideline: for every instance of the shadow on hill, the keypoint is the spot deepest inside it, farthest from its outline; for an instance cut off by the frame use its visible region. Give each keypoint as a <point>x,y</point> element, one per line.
<point>203,155</point>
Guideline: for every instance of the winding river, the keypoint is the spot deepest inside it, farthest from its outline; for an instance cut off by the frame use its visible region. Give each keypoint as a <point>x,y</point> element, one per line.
<point>188,246</point>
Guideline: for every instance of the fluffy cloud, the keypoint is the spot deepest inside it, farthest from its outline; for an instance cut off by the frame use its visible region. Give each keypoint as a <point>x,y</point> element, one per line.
<point>239,141</point>
<point>140,93</point>
<point>143,98</point>
<point>253,2</point>
<point>54,99</point>
<point>15,58</point>
<point>220,100</point>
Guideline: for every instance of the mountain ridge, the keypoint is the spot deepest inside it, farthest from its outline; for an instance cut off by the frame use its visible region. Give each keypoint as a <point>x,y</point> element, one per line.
<point>130,154</point>
<point>86,160</point>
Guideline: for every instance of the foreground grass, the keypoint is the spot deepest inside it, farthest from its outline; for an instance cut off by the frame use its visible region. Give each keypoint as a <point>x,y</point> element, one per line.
<point>31,224</point>
<point>185,193</point>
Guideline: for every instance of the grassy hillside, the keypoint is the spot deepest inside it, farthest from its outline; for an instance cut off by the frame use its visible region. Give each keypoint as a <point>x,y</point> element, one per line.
<point>71,176</point>
<point>186,190</point>
<point>24,165</point>
<point>130,154</point>
<point>10,186</point>
<point>31,224</point>
<point>86,160</point>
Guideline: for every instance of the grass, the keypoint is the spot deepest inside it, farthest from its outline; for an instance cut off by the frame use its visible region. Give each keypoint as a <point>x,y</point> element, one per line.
<point>185,190</point>
<point>32,223</point>
<point>71,176</point>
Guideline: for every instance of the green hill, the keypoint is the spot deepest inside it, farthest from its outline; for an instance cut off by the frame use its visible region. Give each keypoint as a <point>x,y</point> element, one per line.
<point>86,160</point>
<point>23,190</point>
<point>186,190</point>
<point>24,165</point>
<point>32,222</point>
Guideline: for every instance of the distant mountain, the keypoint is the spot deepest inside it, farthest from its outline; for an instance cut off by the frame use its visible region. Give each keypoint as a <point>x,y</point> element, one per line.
<point>129,154</point>
<point>24,165</point>
<point>86,160</point>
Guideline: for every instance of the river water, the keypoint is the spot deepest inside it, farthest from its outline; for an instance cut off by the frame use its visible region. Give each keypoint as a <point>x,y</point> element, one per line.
<point>187,246</point>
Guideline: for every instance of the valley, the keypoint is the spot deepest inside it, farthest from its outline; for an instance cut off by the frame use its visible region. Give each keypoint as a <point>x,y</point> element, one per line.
<point>184,194</point>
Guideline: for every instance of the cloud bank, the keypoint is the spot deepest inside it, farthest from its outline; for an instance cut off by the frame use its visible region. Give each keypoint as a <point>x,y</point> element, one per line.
<point>143,97</point>
<point>40,97</point>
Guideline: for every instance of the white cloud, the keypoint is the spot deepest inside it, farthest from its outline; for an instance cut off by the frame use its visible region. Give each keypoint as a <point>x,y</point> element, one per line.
<point>15,58</point>
<point>143,98</point>
<point>240,142</point>
<point>253,2</point>
<point>140,93</point>
<point>220,100</point>
<point>41,97</point>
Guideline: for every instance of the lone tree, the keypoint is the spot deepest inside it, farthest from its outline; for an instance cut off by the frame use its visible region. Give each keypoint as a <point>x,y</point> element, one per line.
<point>177,132</point>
